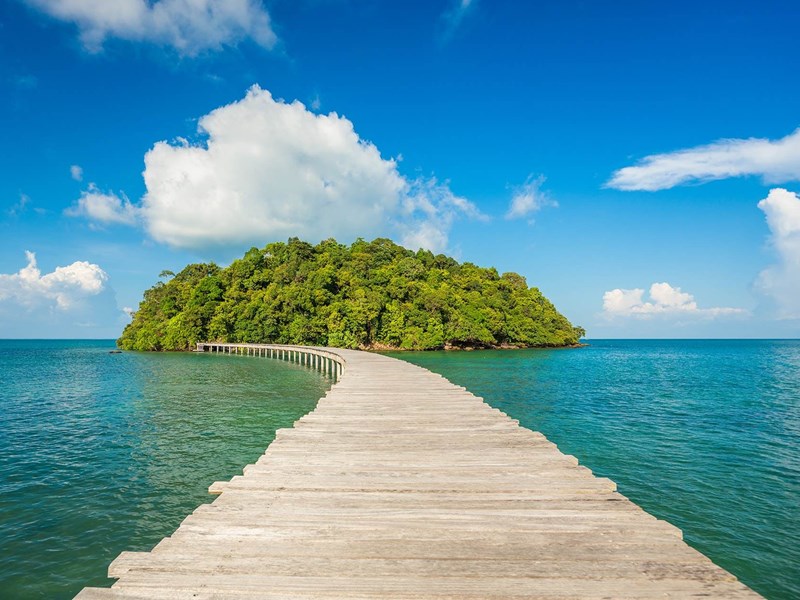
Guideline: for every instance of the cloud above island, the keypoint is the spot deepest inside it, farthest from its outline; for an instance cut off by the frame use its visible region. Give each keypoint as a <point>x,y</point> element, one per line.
<point>781,281</point>
<point>775,161</point>
<point>188,26</point>
<point>664,300</point>
<point>266,170</point>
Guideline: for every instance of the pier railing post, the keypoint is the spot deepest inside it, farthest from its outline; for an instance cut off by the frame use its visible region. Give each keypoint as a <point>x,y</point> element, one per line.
<point>322,361</point>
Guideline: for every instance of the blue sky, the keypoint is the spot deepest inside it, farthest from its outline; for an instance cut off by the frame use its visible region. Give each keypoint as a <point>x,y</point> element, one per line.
<point>639,162</point>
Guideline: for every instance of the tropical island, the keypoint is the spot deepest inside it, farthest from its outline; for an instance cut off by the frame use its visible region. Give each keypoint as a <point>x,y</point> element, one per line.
<point>369,295</point>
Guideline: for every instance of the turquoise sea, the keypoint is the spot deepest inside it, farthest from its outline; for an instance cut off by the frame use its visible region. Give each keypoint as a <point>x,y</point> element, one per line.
<point>102,452</point>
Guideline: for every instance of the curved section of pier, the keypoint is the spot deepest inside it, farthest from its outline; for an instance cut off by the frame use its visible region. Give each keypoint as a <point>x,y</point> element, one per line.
<point>402,485</point>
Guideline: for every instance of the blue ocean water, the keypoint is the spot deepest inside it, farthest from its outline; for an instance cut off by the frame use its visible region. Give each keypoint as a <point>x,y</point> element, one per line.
<point>702,433</point>
<point>102,452</point>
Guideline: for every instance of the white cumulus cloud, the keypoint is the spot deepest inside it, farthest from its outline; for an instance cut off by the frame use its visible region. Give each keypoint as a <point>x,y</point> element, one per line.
<point>76,172</point>
<point>529,198</point>
<point>664,300</point>
<point>781,281</point>
<point>269,170</point>
<point>73,301</point>
<point>266,169</point>
<point>62,289</point>
<point>106,208</point>
<point>775,161</point>
<point>189,26</point>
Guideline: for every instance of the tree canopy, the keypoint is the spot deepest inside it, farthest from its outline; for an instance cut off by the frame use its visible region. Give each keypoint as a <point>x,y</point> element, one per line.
<point>367,295</point>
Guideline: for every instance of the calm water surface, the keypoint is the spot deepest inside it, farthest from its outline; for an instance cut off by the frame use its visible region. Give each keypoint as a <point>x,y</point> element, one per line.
<point>704,434</point>
<point>102,452</point>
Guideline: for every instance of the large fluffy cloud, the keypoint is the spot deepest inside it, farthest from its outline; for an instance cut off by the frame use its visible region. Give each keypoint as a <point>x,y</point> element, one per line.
<point>268,170</point>
<point>781,281</point>
<point>664,300</point>
<point>775,161</point>
<point>190,26</point>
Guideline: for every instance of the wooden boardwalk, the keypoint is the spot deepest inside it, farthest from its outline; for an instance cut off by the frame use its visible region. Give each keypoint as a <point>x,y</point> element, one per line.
<point>402,485</point>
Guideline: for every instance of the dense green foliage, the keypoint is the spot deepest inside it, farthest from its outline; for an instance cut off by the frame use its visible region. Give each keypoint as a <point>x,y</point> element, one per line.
<point>370,294</point>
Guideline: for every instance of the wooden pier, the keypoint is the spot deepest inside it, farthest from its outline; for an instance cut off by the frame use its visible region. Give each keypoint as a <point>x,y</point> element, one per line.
<point>402,485</point>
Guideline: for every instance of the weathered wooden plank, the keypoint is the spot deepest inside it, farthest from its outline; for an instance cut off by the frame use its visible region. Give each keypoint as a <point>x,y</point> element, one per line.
<point>226,585</point>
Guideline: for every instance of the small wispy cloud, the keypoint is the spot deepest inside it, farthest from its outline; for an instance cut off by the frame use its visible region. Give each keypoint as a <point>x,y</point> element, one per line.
<point>106,208</point>
<point>665,300</point>
<point>775,161</point>
<point>429,210</point>
<point>20,206</point>
<point>76,172</point>
<point>529,198</point>
<point>454,17</point>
